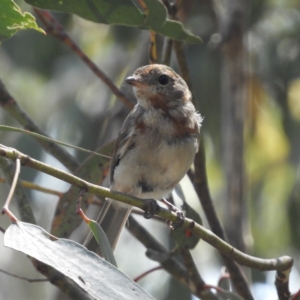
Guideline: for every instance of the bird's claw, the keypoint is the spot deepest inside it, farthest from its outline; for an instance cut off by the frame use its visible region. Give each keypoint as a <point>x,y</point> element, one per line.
<point>151,209</point>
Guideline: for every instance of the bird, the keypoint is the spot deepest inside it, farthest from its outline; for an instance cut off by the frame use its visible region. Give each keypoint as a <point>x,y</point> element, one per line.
<point>156,145</point>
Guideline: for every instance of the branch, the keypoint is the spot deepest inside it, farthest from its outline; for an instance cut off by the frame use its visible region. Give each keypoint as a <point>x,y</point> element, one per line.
<point>194,274</point>
<point>24,207</point>
<point>280,264</point>
<point>147,273</point>
<point>167,51</point>
<point>24,278</point>
<point>170,263</point>
<point>36,187</point>
<point>238,278</point>
<point>10,105</point>
<point>5,209</point>
<point>56,29</point>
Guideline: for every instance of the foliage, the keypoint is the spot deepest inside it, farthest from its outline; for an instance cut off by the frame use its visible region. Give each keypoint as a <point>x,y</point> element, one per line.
<point>69,103</point>
<point>12,20</point>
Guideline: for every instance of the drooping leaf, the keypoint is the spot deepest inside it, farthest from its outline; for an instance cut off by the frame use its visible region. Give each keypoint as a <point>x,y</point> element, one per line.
<point>94,169</point>
<point>97,277</point>
<point>125,12</point>
<point>158,22</point>
<point>12,19</point>
<point>101,11</point>
<point>103,242</point>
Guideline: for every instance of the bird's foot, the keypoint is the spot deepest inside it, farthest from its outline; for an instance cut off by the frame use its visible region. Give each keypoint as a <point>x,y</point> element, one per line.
<point>151,208</point>
<point>180,216</point>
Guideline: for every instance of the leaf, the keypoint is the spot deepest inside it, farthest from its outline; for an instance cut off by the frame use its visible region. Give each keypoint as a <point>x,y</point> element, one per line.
<point>97,277</point>
<point>158,22</point>
<point>103,242</point>
<point>12,19</point>
<point>125,12</point>
<point>94,169</point>
<point>101,11</point>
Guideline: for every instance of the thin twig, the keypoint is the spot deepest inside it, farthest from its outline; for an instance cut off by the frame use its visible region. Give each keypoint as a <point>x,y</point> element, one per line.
<point>182,63</point>
<point>36,187</point>
<point>62,282</point>
<point>169,262</point>
<point>5,209</point>
<point>167,52</point>
<point>24,278</point>
<point>147,273</point>
<point>280,264</point>
<point>296,296</point>
<point>25,210</point>
<point>153,48</point>
<point>194,275</point>
<point>56,29</point>
<point>282,284</point>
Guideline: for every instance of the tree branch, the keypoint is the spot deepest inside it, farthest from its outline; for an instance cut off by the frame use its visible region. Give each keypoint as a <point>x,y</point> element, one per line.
<point>169,262</point>
<point>280,264</point>
<point>10,105</point>
<point>56,29</point>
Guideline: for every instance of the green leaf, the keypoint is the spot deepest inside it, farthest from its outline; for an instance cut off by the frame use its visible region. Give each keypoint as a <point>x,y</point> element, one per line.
<point>93,274</point>
<point>12,19</point>
<point>158,22</point>
<point>123,12</point>
<point>101,11</point>
<point>103,242</point>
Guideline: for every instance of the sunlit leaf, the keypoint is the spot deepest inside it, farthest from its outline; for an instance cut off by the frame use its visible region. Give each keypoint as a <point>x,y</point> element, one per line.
<point>97,277</point>
<point>12,19</point>
<point>123,12</point>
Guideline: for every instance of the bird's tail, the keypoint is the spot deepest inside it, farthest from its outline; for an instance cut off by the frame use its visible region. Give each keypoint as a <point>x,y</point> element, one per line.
<point>112,219</point>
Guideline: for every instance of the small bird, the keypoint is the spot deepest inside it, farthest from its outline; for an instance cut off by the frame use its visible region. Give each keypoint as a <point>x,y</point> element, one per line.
<point>157,142</point>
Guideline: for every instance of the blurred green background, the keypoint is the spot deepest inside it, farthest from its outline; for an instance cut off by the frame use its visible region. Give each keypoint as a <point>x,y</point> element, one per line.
<point>66,100</point>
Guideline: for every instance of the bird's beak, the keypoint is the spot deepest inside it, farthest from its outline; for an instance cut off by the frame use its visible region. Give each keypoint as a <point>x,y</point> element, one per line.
<point>132,80</point>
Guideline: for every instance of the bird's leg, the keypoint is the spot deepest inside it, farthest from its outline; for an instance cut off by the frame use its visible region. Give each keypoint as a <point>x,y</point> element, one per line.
<point>180,216</point>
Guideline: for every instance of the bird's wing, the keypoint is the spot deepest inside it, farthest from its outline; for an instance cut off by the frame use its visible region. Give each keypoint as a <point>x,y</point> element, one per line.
<point>124,141</point>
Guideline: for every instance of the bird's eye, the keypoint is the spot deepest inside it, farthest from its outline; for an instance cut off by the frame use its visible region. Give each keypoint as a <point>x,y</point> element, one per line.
<point>163,79</point>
